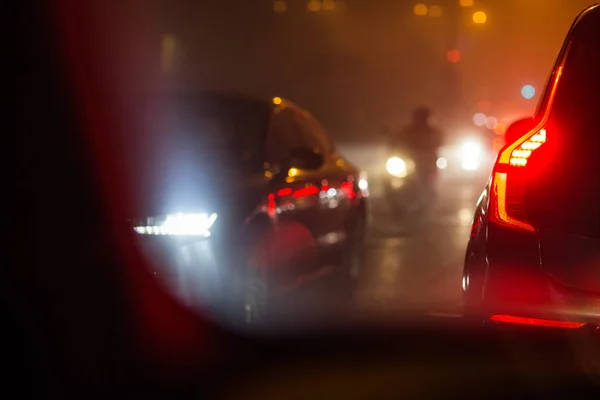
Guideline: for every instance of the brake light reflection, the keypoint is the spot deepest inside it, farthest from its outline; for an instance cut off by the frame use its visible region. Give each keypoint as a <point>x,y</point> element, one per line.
<point>348,189</point>
<point>284,192</point>
<point>510,319</point>
<point>307,191</point>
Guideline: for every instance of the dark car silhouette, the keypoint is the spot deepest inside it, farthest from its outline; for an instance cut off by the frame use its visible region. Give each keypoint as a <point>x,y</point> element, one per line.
<point>240,201</point>
<point>534,252</point>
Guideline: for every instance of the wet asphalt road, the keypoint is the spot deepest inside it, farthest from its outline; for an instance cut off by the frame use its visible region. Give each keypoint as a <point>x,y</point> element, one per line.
<point>414,263</point>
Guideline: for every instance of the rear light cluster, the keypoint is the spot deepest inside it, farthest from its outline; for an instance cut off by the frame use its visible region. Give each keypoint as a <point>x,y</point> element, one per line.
<point>509,180</point>
<point>520,155</point>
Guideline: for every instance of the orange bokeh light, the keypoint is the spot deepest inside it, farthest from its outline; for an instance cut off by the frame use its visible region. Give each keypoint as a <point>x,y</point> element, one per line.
<point>420,9</point>
<point>500,128</point>
<point>479,17</point>
<point>453,56</point>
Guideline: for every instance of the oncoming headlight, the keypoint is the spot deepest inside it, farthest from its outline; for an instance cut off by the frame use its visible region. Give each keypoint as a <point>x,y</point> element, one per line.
<point>180,224</point>
<point>470,156</point>
<point>396,166</point>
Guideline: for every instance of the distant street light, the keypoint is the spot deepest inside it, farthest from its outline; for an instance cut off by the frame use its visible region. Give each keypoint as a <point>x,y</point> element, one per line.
<point>313,5</point>
<point>500,128</point>
<point>466,3</point>
<point>279,6</point>
<point>479,119</point>
<point>168,53</point>
<point>479,17</point>
<point>435,11</point>
<point>328,5</point>
<point>527,92</point>
<point>491,122</point>
<point>420,9</point>
<point>453,56</point>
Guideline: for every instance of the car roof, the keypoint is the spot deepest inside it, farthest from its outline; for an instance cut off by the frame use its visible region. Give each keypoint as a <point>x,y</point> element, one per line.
<point>214,96</point>
<point>590,15</point>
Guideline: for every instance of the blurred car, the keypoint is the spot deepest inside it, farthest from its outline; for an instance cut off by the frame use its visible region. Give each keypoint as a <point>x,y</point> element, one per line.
<point>239,201</point>
<point>534,252</point>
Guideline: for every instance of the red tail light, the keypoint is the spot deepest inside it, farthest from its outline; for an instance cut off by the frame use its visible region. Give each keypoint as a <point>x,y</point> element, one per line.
<point>508,185</point>
<point>537,322</point>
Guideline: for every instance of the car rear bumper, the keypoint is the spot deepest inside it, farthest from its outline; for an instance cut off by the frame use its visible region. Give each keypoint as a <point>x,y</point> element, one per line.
<point>529,292</point>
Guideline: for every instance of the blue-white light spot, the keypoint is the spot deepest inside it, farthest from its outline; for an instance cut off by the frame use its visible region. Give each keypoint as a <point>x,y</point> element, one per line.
<point>527,91</point>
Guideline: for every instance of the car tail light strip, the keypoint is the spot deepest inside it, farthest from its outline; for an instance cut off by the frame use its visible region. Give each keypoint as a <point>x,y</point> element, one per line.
<point>510,319</point>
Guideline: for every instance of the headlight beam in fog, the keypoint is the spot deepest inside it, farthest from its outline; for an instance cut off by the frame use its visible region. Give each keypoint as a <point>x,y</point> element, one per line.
<point>396,167</point>
<point>470,156</point>
<point>180,224</point>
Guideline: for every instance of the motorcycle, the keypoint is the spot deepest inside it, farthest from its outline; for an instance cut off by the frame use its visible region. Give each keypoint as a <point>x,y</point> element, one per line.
<point>410,181</point>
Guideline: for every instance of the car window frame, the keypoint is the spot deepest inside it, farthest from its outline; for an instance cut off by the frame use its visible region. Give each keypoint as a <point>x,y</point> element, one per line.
<point>313,132</point>
<point>275,115</point>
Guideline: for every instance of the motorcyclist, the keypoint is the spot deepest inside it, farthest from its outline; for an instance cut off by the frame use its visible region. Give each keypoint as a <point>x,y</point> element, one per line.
<point>422,138</point>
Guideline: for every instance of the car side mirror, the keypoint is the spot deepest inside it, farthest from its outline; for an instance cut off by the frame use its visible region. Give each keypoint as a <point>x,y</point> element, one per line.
<point>518,128</point>
<point>305,158</point>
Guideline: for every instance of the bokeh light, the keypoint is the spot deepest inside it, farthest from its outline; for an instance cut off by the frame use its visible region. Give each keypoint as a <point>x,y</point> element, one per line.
<point>491,122</point>
<point>328,5</point>
<point>479,17</point>
<point>420,9</point>
<point>500,128</point>
<point>279,6</point>
<point>479,119</point>
<point>277,100</point>
<point>435,11</point>
<point>528,91</point>
<point>168,52</point>
<point>313,5</point>
<point>466,3</point>
<point>441,163</point>
<point>453,56</point>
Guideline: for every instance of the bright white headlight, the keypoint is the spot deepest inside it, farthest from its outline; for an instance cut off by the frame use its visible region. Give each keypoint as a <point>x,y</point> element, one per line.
<point>181,224</point>
<point>396,167</point>
<point>470,156</point>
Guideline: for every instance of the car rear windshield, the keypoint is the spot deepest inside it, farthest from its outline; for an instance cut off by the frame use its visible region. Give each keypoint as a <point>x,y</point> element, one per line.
<point>569,186</point>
